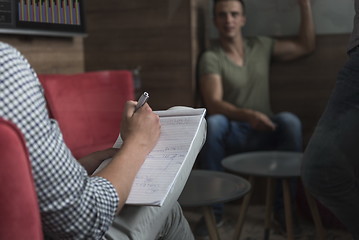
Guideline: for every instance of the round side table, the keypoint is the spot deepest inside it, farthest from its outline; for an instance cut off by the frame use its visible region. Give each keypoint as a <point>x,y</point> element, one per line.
<point>205,188</point>
<point>272,165</point>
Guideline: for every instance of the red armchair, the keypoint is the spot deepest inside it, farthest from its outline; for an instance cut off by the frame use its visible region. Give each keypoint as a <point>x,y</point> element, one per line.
<point>88,107</point>
<point>19,210</point>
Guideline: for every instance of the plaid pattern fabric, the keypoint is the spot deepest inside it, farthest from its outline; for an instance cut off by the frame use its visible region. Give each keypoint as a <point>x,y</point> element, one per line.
<point>72,204</point>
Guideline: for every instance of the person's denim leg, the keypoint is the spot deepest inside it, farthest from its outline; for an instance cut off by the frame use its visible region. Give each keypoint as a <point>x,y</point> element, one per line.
<point>286,137</point>
<point>289,138</point>
<point>331,160</point>
<point>213,151</point>
<point>288,132</point>
<point>224,137</point>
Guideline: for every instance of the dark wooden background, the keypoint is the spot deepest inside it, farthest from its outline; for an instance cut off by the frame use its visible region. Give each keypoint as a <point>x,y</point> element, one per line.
<point>164,38</point>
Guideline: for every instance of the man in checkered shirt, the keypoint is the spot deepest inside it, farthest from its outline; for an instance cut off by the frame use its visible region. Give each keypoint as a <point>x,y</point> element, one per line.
<point>74,205</point>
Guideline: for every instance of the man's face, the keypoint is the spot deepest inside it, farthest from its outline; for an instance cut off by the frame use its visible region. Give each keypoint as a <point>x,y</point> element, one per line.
<point>229,18</point>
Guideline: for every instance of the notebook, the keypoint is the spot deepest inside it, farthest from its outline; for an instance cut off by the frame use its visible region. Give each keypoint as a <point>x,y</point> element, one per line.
<point>154,181</point>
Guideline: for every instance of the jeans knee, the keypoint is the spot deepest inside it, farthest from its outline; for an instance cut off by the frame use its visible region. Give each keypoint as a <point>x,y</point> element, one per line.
<point>289,130</point>
<point>288,120</point>
<point>217,124</point>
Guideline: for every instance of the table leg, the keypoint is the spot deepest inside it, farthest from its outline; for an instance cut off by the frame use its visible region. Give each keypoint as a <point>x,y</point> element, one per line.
<point>210,223</point>
<point>288,209</point>
<point>269,206</point>
<point>316,217</point>
<point>243,210</point>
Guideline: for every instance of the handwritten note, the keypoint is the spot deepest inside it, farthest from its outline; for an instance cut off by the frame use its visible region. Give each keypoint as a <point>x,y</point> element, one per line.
<point>179,127</point>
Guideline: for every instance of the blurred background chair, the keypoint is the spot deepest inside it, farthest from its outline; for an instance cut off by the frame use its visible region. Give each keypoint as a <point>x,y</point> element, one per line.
<point>88,107</point>
<point>19,210</point>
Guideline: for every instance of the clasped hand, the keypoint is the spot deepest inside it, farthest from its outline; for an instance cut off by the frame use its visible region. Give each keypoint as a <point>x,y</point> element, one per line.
<point>261,122</point>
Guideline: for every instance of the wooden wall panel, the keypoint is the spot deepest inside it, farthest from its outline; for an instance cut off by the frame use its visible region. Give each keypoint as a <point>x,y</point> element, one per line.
<point>164,37</point>
<point>50,54</point>
<point>303,86</point>
<point>200,25</point>
<point>156,35</point>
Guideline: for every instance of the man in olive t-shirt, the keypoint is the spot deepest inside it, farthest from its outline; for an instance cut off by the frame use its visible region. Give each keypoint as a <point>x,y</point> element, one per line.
<point>234,88</point>
<point>244,86</point>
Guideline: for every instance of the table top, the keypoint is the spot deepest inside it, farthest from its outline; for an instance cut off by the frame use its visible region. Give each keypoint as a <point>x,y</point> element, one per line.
<point>278,164</point>
<point>204,188</point>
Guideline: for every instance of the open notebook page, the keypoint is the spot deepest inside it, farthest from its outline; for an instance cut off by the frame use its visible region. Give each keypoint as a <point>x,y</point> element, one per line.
<point>179,126</point>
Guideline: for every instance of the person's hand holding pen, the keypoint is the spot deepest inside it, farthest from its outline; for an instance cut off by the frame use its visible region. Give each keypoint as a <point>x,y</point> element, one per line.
<point>143,99</point>
<point>140,125</point>
<point>140,131</point>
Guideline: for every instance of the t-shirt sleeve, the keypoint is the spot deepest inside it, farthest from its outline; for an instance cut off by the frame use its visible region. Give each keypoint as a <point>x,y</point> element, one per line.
<point>208,63</point>
<point>267,43</point>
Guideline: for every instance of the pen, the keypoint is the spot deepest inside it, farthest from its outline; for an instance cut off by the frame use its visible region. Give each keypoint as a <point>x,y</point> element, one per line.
<point>143,99</point>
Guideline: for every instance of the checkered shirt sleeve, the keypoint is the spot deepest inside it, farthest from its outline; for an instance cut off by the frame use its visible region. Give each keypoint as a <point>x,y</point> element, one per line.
<point>72,204</point>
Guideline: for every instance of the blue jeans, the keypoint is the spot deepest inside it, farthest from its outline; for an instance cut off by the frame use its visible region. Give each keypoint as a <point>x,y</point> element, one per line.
<point>226,137</point>
<point>331,160</point>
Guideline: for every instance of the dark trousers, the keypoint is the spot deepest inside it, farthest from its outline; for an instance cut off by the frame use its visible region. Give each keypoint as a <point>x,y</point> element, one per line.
<point>331,160</point>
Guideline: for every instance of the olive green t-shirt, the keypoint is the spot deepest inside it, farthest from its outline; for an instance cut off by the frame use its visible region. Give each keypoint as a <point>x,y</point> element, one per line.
<point>244,86</point>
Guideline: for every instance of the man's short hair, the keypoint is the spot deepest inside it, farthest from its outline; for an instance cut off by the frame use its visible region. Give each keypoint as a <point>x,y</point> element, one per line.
<point>217,1</point>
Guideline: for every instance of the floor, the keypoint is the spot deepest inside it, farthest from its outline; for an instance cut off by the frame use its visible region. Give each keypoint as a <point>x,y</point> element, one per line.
<point>254,223</point>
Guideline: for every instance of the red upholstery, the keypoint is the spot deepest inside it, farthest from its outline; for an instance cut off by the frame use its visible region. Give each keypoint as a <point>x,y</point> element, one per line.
<point>88,107</point>
<point>19,211</point>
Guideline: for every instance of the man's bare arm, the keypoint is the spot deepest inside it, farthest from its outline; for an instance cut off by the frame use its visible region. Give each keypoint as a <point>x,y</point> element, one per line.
<point>93,160</point>
<point>304,43</point>
<point>212,94</point>
<point>140,132</point>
